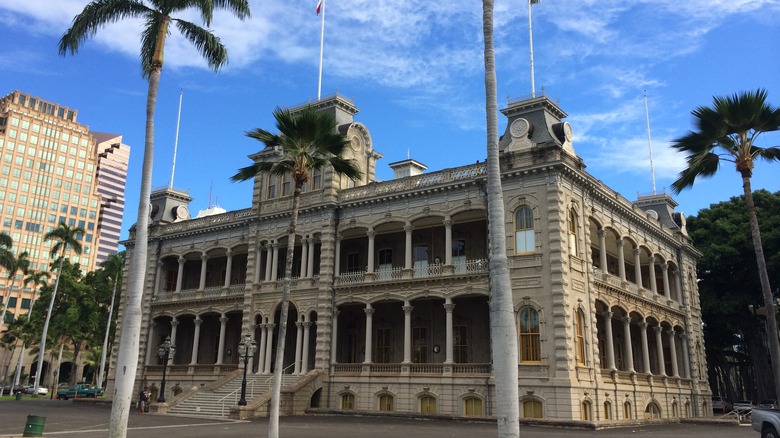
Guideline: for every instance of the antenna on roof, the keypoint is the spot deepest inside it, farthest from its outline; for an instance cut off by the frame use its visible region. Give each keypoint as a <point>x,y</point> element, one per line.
<point>211,187</point>
<point>408,155</point>
<point>176,142</point>
<point>649,143</point>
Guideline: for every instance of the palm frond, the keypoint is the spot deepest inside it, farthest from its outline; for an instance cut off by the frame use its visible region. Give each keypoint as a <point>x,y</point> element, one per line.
<point>94,16</point>
<point>205,42</point>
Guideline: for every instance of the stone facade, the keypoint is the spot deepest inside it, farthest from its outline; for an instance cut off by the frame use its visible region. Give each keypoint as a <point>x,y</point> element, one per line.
<point>389,299</point>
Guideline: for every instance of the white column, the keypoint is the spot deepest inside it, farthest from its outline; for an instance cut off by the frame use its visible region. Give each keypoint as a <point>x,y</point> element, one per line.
<point>334,337</point>
<point>229,267</point>
<point>269,256</point>
<point>269,328</point>
<point>659,346</point>
<point>686,357</point>
<point>174,327</point>
<point>665,276</point>
<point>447,241</point>
<point>298,345</point>
<point>150,348</point>
<point>629,353</point>
<point>651,270</point>
<point>603,251</point>
<point>305,355</point>
<point>407,332</point>
<point>180,274</point>
<point>251,363</point>
<point>449,307</point>
<point>638,267</point>
<point>221,351</point>
<point>310,261</point>
<point>369,331</point>
<point>304,255</point>
<point>673,353</point>
<point>204,259</point>
<point>408,247</point>
<point>371,236</point>
<point>275,261</point>
<point>196,341</point>
<point>258,262</point>
<point>621,259</point>
<point>337,261</point>
<point>610,340</point>
<point>261,347</point>
<point>645,348</point>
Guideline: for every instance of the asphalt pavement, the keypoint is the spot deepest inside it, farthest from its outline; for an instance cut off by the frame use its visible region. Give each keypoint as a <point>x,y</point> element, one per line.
<point>85,420</point>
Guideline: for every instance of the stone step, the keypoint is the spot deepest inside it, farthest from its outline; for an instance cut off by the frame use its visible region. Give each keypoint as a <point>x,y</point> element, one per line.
<point>217,403</point>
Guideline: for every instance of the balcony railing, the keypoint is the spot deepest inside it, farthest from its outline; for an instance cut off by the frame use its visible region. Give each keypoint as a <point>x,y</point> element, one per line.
<point>474,266</point>
<point>209,292</point>
<point>415,368</point>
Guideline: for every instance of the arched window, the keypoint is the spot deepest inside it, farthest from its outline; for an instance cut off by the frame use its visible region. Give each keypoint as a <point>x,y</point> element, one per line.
<point>573,233</point>
<point>524,231</point>
<point>687,412</point>
<point>586,413</point>
<point>386,402</point>
<point>348,401</point>
<point>427,404</point>
<point>472,407</point>
<point>533,409</point>
<point>674,410</point>
<point>607,410</point>
<point>580,337</point>
<point>653,410</point>
<point>530,342</point>
<point>627,410</point>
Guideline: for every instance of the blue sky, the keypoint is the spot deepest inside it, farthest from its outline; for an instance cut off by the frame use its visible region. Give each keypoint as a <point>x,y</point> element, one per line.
<point>415,70</point>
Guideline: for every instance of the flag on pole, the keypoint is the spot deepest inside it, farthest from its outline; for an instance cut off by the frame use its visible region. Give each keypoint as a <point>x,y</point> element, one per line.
<point>319,6</point>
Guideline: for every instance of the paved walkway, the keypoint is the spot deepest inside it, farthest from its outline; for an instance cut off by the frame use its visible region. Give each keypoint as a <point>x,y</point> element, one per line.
<point>64,418</point>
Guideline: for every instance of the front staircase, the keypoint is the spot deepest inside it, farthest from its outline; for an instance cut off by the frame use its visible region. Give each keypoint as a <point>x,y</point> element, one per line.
<point>217,402</point>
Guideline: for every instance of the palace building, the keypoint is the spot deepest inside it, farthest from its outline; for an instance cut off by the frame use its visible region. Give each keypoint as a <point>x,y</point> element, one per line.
<point>389,299</point>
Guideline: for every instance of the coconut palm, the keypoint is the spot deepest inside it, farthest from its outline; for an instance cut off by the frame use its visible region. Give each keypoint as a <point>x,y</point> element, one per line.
<point>157,21</point>
<point>727,132</point>
<point>13,264</point>
<point>64,238</point>
<point>6,243</point>
<point>112,267</point>
<point>502,318</point>
<point>38,280</point>
<point>307,141</point>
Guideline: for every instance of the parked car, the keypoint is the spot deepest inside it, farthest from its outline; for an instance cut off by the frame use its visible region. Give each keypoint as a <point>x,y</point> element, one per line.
<point>768,404</point>
<point>720,405</point>
<point>79,390</point>
<point>743,406</point>
<point>42,391</point>
<point>766,421</point>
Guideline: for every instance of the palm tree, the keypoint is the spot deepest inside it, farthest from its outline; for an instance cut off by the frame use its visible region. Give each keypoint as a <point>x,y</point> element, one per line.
<point>113,268</point>
<point>308,141</point>
<point>6,243</point>
<point>502,317</point>
<point>157,19</point>
<point>38,279</point>
<point>727,132</point>
<point>64,238</point>
<point>13,264</point>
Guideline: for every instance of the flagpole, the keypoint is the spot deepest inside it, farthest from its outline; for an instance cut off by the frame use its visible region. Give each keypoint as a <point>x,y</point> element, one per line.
<point>531,45</point>
<point>322,43</point>
<point>176,141</point>
<point>649,143</point>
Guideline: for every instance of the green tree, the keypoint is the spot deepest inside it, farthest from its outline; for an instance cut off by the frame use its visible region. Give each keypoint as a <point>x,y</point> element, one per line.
<point>38,280</point>
<point>6,243</point>
<point>728,132</point>
<point>307,141</point>
<point>13,265</point>
<point>64,238</point>
<point>158,17</point>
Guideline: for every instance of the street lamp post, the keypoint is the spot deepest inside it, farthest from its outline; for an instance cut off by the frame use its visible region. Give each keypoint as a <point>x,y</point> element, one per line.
<point>246,349</point>
<point>166,350</point>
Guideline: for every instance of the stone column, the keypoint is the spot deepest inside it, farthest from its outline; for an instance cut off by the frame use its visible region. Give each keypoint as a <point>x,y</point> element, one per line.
<point>610,340</point>
<point>686,356</point>
<point>310,261</point>
<point>659,346</point>
<point>408,247</point>
<point>204,259</point>
<point>371,236</point>
<point>305,354</point>
<point>261,348</point>
<point>180,274</point>
<point>251,363</point>
<point>447,241</point>
<point>298,345</point>
<point>673,353</point>
<point>334,338</point>
<point>229,267</point>
<point>337,259</point>
<point>638,267</point>
<point>621,259</point>
<point>645,348</point>
<point>196,341</point>
<point>651,270</point>
<point>269,256</point>
<point>449,307</point>
<point>629,353</point>
<point>150,348</point>
<point>159,278</point>
<point>304,255</point>
<point>407,332</point>
<point>665,276</point>
<point>174,327</point>
<point>369,331</point>
<point>258,259</point>
<point>275,261</point>
<point>603,251</point>
<point>221,351</point>
<point>269,328</point>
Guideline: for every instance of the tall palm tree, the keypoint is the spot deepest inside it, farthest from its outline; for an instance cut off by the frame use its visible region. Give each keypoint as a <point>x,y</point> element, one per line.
<point>38,280</point>
<point>308,141</point>
<point>6,243</point>
<point>157,20</point>
<point>113,268</point>
<point>727,132</point>
<point>502,317</point>
<point>13,265</point>
<point>64,238</point>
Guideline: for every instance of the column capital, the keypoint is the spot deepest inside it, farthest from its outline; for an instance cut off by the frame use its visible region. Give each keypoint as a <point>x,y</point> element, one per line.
<point>229,252</point>
<point>408,309</point>
<point>408,228</point>
<point>274,245</point>
<point>602,233</point>
<point>298,323</point>
<point>637,252</point>
<point>651,260</point>
<point>449,307</point>
<point>447,223</point>
<point>307,324</point>
<point>270,326</point>
<point>174,322</point>
<point>371,233</point>
<point>336,313</point>
<point>658,329</point>
<point>369,311</point>
<point>608,314</point>
<point>198,321</point>
<point>643,325</point>
<point>626,320</point>
<point>160,264</point>
<point>204,256</point>
<point>224,319</point>
<point>619,241</point>
<point>181,260</point>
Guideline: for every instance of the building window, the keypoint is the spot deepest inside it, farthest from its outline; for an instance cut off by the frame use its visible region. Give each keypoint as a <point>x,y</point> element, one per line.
<point>460,343</point>
<point>533,409</point>
<point>419,345</point>
<point>524,231</point>
<point>170,279</point>
<point>580,340</point>
<point>607,410</point>
<point>286,185</point>
<point>653,410</point>
<point>472,407</point>
<point>586,414</point>
<point>386,403</point>
<point>316,179</point>
<point>459,255</point>
<point>385,264</point>
<point>573,233</point>
<point>272,180</point>
<point>530,340</point>
<point>25,303</point>
<point>353,262</point>
<point>383,345</point>
<point>348,401</point>
<point>427,404</point>
<point>627,410</point>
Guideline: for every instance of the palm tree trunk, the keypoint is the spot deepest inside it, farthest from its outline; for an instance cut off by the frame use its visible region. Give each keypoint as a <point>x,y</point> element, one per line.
<point>766,289</point>
<point>18,372</point>
<point>502,317</point>
<point>129,345</point>
<point>5,302</point>
<point>273,420</point>
<point>105,339</point>
<point>42,345</point>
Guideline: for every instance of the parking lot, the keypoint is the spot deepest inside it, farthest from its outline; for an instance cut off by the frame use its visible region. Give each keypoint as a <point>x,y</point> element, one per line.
<point>64,418</point>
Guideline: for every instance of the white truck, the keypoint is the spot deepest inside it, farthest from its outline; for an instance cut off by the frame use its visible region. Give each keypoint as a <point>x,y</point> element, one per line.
<point>766,421</point>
